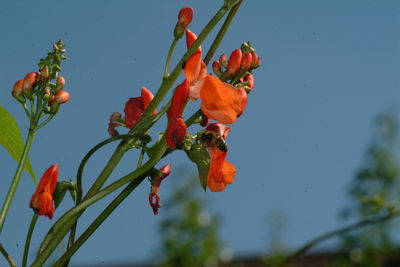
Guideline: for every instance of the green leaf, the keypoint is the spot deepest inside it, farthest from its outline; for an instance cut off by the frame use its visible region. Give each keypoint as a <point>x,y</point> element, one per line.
<point>61,189</point>
<point>199,155</point>
<point>11,139</point>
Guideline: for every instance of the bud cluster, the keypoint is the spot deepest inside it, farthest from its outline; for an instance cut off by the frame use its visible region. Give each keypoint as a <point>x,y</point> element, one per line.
<point>238,69</point>
<point>39,84</point>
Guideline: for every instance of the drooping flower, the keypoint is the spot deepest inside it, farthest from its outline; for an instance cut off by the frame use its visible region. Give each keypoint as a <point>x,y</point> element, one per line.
<point>220,172</point>
<point>176,131</point>
<point>156,179</point>
<point>17,91</point>
<point>135,107</point>
<point>221,101</point>
<point>42,199</point>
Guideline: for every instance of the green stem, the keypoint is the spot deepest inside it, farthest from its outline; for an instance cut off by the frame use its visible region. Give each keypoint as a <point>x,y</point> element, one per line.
<point>63,224</point>
<point>17,177</point>
<point>7,256</point>
<point>28,238</point>
<point>45,122</point>
<point>61,227</point>
<point>64,259</point>
<point>168,61</point>
<point>340,231</point>
<point>221,33</point>
<point>26,110</point>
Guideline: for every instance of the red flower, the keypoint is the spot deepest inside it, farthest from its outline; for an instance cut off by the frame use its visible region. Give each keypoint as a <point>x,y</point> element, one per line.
<point>195,69</point>
<point>156,179</point>
<point>178,100</point>
<point>42,199</point>
<point>135,107</point>
<point>175,132</point>
<point>220,172</point>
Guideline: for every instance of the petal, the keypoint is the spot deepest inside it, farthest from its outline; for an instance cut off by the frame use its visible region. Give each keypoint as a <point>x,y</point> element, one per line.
<point>220,101</point>
<point>229,172</point>
<point>147,97</point>
<point>178,100</point>
<point>220,129</point>
<point>175,132</point>
<point>193,67</point>
<point>134,108</point>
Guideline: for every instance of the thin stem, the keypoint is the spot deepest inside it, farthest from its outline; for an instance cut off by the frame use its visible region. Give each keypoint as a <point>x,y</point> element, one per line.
<point>221,33</point>
<point>45,122</point>
<point>168,61</point>
<point>17,177</point>
<point>64,259</point>
<point>32,104</point>
<point>340,231</point>
<point>26,110</point>
<point>28,238</point>
<point>63,224</point>
<point>7,256</point>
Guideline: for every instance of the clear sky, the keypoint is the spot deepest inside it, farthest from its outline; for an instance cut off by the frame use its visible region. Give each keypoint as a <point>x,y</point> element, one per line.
<point>329,67</point>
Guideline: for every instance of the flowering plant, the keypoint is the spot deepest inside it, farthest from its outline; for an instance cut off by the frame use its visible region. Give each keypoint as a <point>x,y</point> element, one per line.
<point>223,96</point>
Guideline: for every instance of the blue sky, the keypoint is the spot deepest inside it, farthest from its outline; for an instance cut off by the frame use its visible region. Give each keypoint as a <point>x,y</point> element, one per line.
<point>329,67</point>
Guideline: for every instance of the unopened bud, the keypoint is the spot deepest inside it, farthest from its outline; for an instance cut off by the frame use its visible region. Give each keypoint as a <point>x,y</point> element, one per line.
<point>185,16</point>
<point>17,91</point>
<point>44,73</point>
<point>61,97</point>
<point>247,61</point>
<point>223,60</point>
<point>60,84</point>
<point>217,68</point>
<point>256,61</point>
<point>29,82</point>
<point>233,64</point>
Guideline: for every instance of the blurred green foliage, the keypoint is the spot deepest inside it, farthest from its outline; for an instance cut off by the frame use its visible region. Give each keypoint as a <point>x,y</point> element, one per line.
<point>189,233</point>
<point>374,191</point>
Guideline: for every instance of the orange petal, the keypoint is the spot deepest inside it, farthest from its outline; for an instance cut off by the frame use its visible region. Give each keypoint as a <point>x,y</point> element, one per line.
<point>147,96</point>
<point>193,67</point>
<point>221,101</point>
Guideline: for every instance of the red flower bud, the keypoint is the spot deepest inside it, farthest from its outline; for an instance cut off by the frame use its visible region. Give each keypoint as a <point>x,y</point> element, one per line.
<point>244,100</point>
<point>61,97</point>
<point>29,81</point>
<point>247,61</point>
<point>42,199</point>
<point>185,16</point>
<point>17,91</point>
<point>147,96</point>
<point>178,100</point>
<point>175,132</point>
<point>256,61</point>
<point>223,60</point>
<point>217,68</point>
<point>233,64</point>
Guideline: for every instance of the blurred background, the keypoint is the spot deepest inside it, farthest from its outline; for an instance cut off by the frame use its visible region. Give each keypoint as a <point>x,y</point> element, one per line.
<point>316,149</point>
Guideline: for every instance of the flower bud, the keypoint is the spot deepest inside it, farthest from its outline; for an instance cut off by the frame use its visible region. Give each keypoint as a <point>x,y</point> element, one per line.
<point>223,60</point>
<point>176,131</point>
<point>61,97</point>
<point>185,16</point>
<point>44,73</point>
<point>178,101</point>
<point>17,91</point>
<point>29,82</point>
<point>60,84</point>
<point>46,94</point>
<point>217,68</point>
<point>233,64</point>
<point>247,61</point>
<point>256,60</point>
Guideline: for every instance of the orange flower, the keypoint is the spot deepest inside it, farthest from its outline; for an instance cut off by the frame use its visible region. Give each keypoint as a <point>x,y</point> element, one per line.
<point>220,172</point>
<point>195,69</point>
<point>178,100</point>
<point>221,101</point>
<point>42,199</point>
